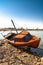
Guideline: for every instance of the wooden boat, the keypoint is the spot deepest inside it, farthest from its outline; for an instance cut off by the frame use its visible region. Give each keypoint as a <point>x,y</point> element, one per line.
<point>23,38</point>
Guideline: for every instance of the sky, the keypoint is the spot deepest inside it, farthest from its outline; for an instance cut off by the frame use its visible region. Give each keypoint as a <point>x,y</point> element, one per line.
<point>25,13</point>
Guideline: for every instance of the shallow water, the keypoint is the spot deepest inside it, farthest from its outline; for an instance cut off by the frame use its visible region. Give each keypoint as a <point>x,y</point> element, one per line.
<point>37,33</point>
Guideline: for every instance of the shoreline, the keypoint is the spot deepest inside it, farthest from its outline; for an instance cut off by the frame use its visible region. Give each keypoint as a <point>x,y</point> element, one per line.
<point>19,29</point>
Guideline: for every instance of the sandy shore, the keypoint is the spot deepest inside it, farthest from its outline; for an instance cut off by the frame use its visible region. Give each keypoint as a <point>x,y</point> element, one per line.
<point>11,55</point>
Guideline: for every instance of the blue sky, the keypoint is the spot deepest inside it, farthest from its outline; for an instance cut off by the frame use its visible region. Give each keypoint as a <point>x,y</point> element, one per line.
<point>25,10</point>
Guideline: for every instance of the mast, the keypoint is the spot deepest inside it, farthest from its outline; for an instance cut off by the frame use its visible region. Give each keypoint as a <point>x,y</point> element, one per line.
<point>14,26</point>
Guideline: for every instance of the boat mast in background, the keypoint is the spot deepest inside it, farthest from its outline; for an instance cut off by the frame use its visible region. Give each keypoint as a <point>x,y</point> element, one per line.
<point>14,26</point>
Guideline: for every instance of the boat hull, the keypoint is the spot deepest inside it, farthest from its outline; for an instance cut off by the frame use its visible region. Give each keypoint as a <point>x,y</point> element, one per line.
<point>33,42</point>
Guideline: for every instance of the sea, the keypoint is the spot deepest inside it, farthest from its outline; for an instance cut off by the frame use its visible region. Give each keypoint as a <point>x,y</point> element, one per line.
<point>36,33</point>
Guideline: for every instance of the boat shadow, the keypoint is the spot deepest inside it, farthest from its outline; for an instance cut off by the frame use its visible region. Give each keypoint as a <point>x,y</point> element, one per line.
<point>37,52</point>
<point>34,51</point>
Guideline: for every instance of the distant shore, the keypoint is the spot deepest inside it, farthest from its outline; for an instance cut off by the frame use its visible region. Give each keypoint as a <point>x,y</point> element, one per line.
<point>19,29</point>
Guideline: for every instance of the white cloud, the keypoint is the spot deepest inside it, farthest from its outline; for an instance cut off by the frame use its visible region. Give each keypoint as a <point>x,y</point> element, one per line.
<point>5,21</point>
